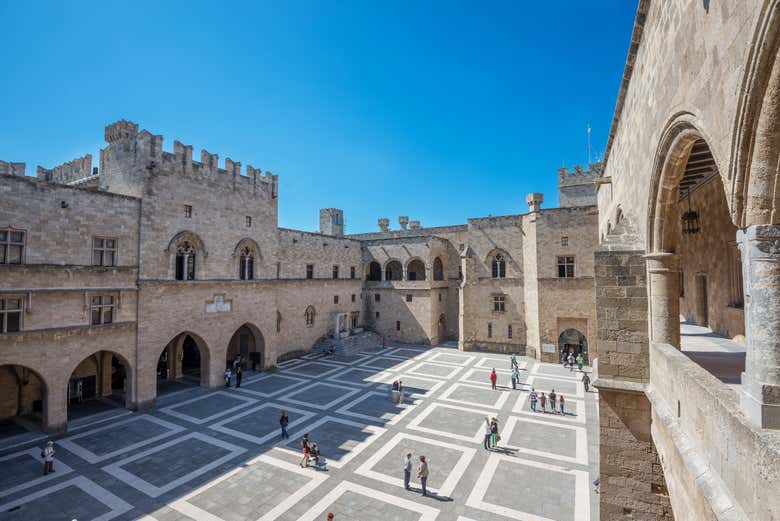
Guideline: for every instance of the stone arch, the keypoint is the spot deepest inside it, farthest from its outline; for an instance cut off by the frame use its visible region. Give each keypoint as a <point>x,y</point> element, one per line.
<point>374,271</point>
<point>186,239</point>
<point>111,385</point>
<point>185,359</point>
<point>415,269</point>
<point>310,316</point>
<point>755,194</point>
<point>247,256</point>
<point>573,340</point>
<point>394,270</point>
<point>438,269</point>
<point>249,342</point>
<point>25,395</point>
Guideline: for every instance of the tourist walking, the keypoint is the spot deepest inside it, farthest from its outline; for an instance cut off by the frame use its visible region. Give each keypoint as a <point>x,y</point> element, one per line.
<point>543,402</point>
<point>284,421</point>
<point>533,399</point>
<point>488,432</point>
<point>407,469</point>
<point>422,473</point>
<point>561,400</point>
<point>305,449</point>
<point>571,361</point>
<point>580,361</point>
<point>586,381</point>
<point>553,402</point>
<point>493,432</point>
<point>48,458</point>
<point>228,376</point>
<point>493,379</point>
<point>239,372</point>
<point>515,378</point>
<point>514,362</point>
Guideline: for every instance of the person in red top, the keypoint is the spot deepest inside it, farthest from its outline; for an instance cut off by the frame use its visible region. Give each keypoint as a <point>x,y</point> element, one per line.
<point>493,378</point>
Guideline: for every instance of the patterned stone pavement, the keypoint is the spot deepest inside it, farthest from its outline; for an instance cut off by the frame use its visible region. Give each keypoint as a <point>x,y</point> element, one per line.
<point>218,456</point>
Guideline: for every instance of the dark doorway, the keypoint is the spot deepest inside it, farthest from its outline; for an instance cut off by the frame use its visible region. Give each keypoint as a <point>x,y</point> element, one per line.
<point>190,362</point>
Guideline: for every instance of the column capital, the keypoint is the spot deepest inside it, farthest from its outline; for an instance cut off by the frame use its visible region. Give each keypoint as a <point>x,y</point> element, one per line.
<point>662,262</point>
<point>760,241</point>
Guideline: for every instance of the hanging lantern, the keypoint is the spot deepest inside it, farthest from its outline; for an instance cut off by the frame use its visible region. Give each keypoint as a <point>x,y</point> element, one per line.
<point>690,219</point>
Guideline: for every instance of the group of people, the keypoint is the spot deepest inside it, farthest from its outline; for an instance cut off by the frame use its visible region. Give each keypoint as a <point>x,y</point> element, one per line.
<point>235,369</point>
<point>491,433</point>
<point>311,451</point>
<point>568,360</point>
<point>422,472</point>
<point>555,401</point>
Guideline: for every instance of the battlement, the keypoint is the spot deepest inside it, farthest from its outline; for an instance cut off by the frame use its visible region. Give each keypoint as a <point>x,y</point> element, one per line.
<point>578,188</point>
<point>11,168</point>
<point>147,149</point>
<point>579,175</point>
<point>74,170</point>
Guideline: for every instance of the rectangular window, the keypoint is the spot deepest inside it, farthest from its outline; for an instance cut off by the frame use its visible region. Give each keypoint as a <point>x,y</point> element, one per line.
<point>335,272</point>
<point>566,267</point>
<point>310,271</point>
<point>509,331</point>
<point>409,298</point>
<point>499,303</point>
<point>187,211</point>
<point>248,221</point>
<point>353,297</point>
<point>335,299</point>
<point>377,297</point>
<point>103,251</point>
<point>377,314</point>
<point>352,272</point>
<point>102,310</point>
<point>564,241</point>
<point>398,325</point>
<point>490,330</point>
<point>10,315</point>
<point>11,246</point>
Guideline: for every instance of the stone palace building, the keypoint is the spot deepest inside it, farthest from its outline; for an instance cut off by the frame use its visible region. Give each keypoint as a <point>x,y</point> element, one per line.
<point>153,268</point>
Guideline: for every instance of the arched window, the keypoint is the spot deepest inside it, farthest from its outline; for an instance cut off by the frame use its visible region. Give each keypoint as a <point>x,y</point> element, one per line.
<point>185,261</point>
<point>438,269</point>
<point>309,315</point>
<point>246,270</point>
<point>499,266</point>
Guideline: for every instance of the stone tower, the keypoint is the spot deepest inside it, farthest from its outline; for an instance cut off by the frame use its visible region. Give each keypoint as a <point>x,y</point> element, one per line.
<point>332,222</point>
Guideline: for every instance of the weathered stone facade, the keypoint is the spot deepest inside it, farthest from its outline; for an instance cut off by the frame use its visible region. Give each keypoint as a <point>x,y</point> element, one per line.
<point>156,267</point>
<point>688,195</point>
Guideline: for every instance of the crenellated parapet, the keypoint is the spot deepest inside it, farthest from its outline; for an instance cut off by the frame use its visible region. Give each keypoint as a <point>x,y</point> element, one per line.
<point>126,143</point>
<point>578,187</point>
<point>11,168</point>
<point>579,175</point>
<point>75,170</point>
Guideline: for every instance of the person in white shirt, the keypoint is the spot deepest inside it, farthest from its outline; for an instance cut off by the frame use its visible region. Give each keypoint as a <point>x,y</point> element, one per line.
<point>407,470</point>
<point>48,458</point>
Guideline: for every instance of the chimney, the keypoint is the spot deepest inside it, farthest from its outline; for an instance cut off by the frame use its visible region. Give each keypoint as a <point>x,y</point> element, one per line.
<point>384,224</point>
<point>534,201</point>
<point>414,225</point>
<point>403,221</point>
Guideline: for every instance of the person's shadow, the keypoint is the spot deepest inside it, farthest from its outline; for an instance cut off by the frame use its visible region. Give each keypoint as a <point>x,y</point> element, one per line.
<point>432,495</point>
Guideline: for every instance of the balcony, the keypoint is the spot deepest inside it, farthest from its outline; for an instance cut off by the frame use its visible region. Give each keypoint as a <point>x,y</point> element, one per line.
<point>721,357</point>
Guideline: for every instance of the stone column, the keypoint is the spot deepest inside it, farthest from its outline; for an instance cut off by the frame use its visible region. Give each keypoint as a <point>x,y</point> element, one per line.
<point>55,407</point>
<point>105,373</point>
<point>760,397</point>
<point>663,274</point>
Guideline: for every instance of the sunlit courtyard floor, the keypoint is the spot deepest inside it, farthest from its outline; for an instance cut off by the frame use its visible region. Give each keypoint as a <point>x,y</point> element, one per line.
<point>218,455</point>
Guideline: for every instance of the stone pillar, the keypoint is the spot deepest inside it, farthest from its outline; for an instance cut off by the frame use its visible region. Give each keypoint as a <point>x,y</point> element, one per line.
<point>760,396</point>
<point>383,276</point>
<point>55,407</point>
<point>663,274</point>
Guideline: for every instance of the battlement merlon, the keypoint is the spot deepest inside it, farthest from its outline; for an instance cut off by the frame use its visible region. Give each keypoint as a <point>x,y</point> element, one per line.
<point>579,176</point>
<point>146,148</point>
<point>74,170</point>
<point>11,168</point>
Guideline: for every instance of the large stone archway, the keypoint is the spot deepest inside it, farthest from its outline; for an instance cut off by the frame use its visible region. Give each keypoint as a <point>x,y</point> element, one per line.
<point>23,399</point>
<point>185,360</point>
<point>247,341</point>
<point>99,382</point>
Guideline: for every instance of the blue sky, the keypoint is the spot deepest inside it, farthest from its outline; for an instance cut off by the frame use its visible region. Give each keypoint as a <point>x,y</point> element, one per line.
<point>436,110</point>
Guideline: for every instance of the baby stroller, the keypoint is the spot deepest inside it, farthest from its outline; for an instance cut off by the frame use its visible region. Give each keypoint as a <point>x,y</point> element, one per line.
<point>315,458</point>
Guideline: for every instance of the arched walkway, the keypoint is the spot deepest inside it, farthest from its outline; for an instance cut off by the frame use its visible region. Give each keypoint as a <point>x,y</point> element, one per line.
<point>415,270</point>
<point>23,400</point>
<point>573,341</point>
<point>394,270</point>
<point>184,362</point>
<point>248,343</point>
<point>100,382</point>
<point>374,271</point>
